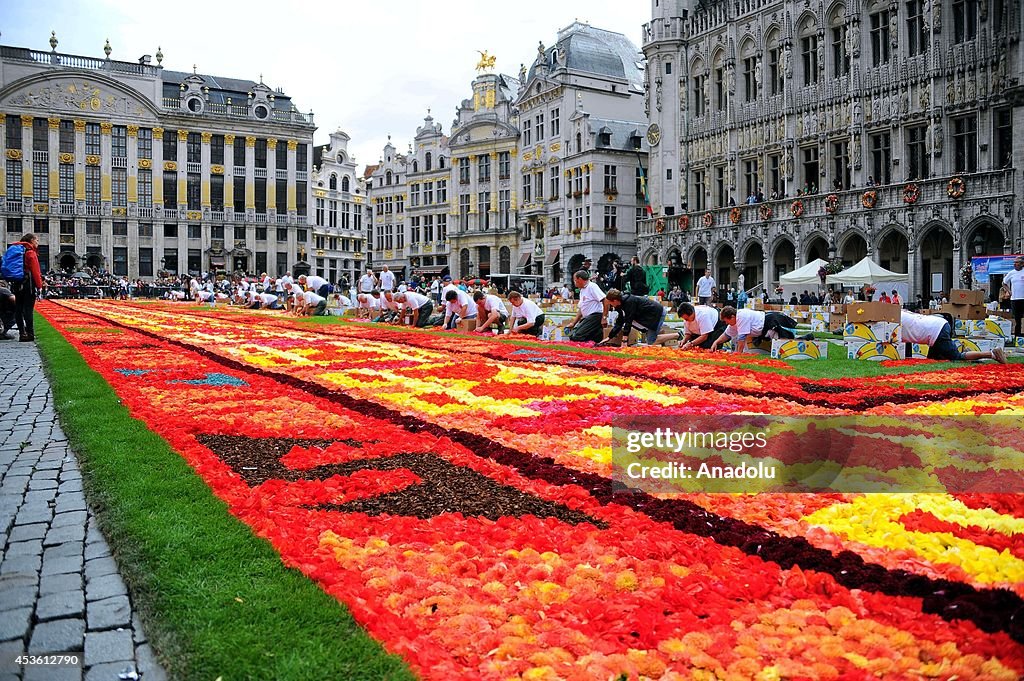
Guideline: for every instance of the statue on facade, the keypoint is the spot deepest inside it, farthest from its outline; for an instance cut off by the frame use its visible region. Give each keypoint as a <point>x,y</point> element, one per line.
<point>950,92</point>
<point>894,30</point>
<point>855,143</point>
<point>853,40</point>
<point>970,94</point>
<point>657,96</point>
<point>789,163</point>
<point>732,80</point>
<point>787,61</point>
<point>904,102</point>
<point>540,51</point>
<point>925,98</point>
<point>937,138</point>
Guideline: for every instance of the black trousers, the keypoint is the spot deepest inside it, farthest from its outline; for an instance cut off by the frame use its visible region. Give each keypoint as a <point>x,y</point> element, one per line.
<point>588,329</point>
<point>25,302</point>
<point>427,309</point>
<point>1018,313</point>
<point>715,334</point>
<point>538,326</point>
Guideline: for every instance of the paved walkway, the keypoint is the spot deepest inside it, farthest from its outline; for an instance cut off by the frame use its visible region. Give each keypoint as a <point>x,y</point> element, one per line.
<point>60,591</point>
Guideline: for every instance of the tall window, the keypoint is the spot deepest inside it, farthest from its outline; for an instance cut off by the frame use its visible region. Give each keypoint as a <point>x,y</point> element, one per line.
<point>698,94</point>
<point>841,163</point>
<point>217,149</point>
<point>261,153</point>
<point>721,195</point>
<point>464,202</point>
<point>1003,125</point>
<point>13,179</point>
<point>611,219</point>
<point>810,158</point>
<point>92,185</point>
<point>917,152</point>
<point>428,228</point>
<point>193,189</point>
<point>483,164</point>
<point>881,157</point>
<point>774,173</point>
<point>428,193</point>
<point>67,183</point>
<point>67,137</point>
<point>119,141</point>
<point>965,20</point>
<point>539,127</point>
<point>414,231</point>
<point>504,165</point>
<point>170,145</point>
<point>40,181</point>
<point>555,181</point>
<point>556,125</point>
<point>92,139</point>
<point>483,207</point>
<point>171,193</point>
<point>442,191</point>
<point>965,144</point>
<point>13,129</point>
<point>720,93</point>
<point>775,73</point>
<point>809,52</point>
<point>527,189</point>
<point>840,56</point>
<point>145,183</point>
<point>145,262</point>
<point>40,134</point>
<point>145,143</point>
<point>699,189</point>
<point>611,183</point>
<point>119,186</point>
<point>750,176</point>
<point>917,30</point>
<point>527,134</point>
<point>217,192</point>
<point>750,78</point>
<point>538,186</point>
<point>238,151</point>
<point>504,209</point>
<point>463,171</point>
<point>880,38</point>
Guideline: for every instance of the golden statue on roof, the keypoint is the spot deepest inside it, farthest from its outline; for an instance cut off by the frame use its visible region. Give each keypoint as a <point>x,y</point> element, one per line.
<point>487,61</point>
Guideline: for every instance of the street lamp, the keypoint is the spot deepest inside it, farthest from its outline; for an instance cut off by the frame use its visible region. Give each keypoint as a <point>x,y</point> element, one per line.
<point>979,244</point>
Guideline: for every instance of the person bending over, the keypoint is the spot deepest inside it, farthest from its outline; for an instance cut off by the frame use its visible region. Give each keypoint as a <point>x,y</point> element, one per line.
<point>936,331</point>
<point>527,316</point>
<point>490,312</point>
<point>640,312</point>
<point>703,326</point>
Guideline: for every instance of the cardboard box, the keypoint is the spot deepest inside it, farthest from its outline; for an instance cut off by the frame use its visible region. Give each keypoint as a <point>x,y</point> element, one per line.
<point>965,311</point>
<point>873,312</point>
<point>837,324</point>
<point>874,352</point>
<point>993,327</point>
<point>916,350</point>
<point>1016,342</point>
<point>966,297</point>
<point>875,332</point>
<point>819,326</point>
<point>799,350</point>
<point>977,344</point>
<point>466,325</point>
<point>962,327</point>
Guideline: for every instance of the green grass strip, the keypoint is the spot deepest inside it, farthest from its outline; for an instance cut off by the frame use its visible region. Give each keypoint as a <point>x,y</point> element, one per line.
<point>216,600</point>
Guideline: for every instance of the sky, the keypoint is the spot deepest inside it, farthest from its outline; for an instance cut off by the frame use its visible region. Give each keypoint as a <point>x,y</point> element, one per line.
<point>371,68</point>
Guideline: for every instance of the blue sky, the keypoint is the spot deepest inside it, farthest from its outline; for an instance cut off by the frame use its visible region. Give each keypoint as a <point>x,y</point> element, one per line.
<point>371,68</point>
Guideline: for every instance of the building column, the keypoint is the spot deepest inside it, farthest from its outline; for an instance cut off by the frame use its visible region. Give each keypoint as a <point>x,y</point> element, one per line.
<point>53,163</point>
<point>182,179</point>
<point>204,172</point>
<point>158,185</point>
<point>105,156</point>
<point>26,160</point>
<point>132,243</point>
<point>914,269</point>
<point>474,222</point>
<point>229,174</point>
<point>271,177</point>
<point>494,190</point>
<point>250,175</point>
<point>3,155</point>
<point>292,199</point>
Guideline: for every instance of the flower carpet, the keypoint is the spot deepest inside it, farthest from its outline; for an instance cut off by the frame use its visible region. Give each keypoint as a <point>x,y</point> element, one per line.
<point>454,494</point>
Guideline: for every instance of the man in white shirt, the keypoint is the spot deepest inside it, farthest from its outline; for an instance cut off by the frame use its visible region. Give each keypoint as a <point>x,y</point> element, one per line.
<point>490,312</point>
<point>458,307</point>
<point>266,281</point>
<point>592,314</point>
<point>387,279</point>
<point>367,282</point>
<point>286,281</point>
<point>313,305</point>
<point>389,309</point>
<point>565,293</point>
<point>936,332</point>
<point>527,317</point>
<point>751,326</point>
<point>1015,282</point>
<point>435,289</point>
<point>446,286</point>
<point>318,284</point>
<point>368,303</point>
<point>268,301</point>
<point>419,306</point>
<point>703,326</point>
<point>705,288</point>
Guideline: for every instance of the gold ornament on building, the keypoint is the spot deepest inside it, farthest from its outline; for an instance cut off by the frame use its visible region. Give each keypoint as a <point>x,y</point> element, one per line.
<point>250,141</point>
<point>206,137</point>
<point>42,208</point>
<point>158,133</point>
<point>3,118</point>
<point>79,126</point>
<point>14,154</point>
<point>54,123</point>
<point>92,160</point>
<point>229,140</point>
<point>106,127</point>
<point>486,63</point>
<point>271,144</point>
<point>67,158</point>
<point>194,215</point>
<point>217,169</point>
<point>182,135</point>
<point>145,164</point>
<point>556,147</point>
<point>26,121</point>
<point>293,145</point>
<point>170,166</point>
<point>119,212</point>
<point>133,131</point>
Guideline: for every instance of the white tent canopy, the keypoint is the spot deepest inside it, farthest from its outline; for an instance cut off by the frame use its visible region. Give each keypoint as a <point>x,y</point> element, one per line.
<point>804,276</point>
<point>867,272</point>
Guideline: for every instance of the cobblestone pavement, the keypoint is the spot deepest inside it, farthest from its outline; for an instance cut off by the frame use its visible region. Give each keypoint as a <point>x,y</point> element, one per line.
<point>60,591</point>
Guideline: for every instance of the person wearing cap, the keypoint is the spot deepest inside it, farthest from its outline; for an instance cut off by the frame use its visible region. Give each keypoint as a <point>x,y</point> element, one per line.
<point>420,308</point>
<point>490,312</point>
<point>703,326</point>
<point>639,312</point>
<point>387,279</point>
<point>592,312</point>
<point>527,317</point>
<point>936,331</point>
<point>1014,282</point>
<point>458,307</point>
<point>446,285</point>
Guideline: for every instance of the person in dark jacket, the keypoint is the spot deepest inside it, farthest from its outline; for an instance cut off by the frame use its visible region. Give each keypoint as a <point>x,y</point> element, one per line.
<point>641,312</point>
<point>25,290</point>
<point>637,278</point>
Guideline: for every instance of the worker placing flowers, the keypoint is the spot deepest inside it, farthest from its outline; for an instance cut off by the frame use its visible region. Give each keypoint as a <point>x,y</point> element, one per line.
<point>644,314</point>
<point>937,333</point>
<point>750,327</point>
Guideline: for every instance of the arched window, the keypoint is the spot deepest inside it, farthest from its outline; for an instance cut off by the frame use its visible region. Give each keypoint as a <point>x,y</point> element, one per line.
<point>718,80</point>
<point>504,260</point>
<point>809,50</point>
<point>699,81</point>
<point>388,177</point>
<point>341,158</point>
<point>840,54</point>
<point>773,71</point>
<point>346,185</point>
<point>440,162</point>
<point>428,164</point>
<point>748,54</point>
<point>333,182</point>
<point>579,143</point>
<point>415,166</point>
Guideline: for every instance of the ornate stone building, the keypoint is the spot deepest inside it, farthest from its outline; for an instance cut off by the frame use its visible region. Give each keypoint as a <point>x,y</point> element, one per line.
<point>338,200</point>
<point>894,119</point>
<point>388,190</point>
<point>133,168</point>
<point>582,142</point>
<point>484,148</point>
<point>428,210</point>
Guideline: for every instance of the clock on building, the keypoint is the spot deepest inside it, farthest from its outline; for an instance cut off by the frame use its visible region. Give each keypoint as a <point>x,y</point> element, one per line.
<point>653,135</point>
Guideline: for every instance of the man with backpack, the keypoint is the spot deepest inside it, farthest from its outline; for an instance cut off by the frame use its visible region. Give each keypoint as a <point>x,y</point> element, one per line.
<point>20,268</point>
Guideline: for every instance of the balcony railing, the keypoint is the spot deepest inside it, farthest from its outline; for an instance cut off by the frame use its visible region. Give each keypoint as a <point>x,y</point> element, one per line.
<point>67,208</point>
<point>239,171</point>
<point>992,184</point>
<point>193,167</point>
<point>260,217</point>
<point>119,162</point>
<point>260,173</point>
<point>14,206</point>
<point>76,61</point>
<point>92,209</point>
<point>40,156</point>
<point>145,211</point>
